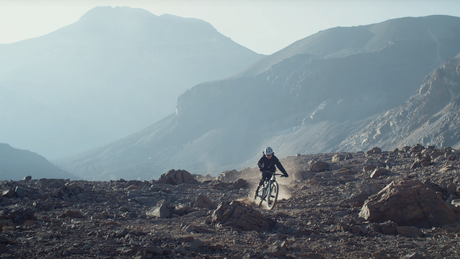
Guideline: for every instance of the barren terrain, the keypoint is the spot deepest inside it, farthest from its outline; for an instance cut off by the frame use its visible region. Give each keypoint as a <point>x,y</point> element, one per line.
<point>178,216</point>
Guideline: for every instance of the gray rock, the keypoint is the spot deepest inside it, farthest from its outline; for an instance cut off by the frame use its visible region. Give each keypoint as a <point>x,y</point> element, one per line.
<point>379,172</point>
<point>21,191</point>
<point>319,166</point>
<point>162,210</point>
<point>176,177</point>
<point>409,231</point>
<point>203,202</point>
<point>196,244</point>
<point>148,201</point>
<point>408,203</point>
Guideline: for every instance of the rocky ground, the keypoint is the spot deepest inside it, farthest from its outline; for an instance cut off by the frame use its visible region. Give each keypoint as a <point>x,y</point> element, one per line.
<point>378,204</point>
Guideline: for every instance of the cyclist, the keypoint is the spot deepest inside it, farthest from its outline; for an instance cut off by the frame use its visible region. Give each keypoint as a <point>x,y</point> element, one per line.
<point>267,164</point>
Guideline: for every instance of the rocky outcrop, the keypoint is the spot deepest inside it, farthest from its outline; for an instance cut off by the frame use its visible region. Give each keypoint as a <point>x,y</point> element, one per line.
<point>176,177</point>
<point>430,116</point>
<point>408,203</point>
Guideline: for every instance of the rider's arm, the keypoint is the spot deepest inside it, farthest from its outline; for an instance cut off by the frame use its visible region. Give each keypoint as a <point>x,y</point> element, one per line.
<point>261,163</point>
<point>281,168</point>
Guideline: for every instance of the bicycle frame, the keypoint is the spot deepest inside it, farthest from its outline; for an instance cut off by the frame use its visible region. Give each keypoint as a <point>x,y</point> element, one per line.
<point>267,190</point>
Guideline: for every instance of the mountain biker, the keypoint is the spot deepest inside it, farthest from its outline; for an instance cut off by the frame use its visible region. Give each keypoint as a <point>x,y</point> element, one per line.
<point>267,164</point>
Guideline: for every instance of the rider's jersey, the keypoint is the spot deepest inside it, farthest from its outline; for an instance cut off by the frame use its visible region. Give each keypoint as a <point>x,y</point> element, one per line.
<point>266,164</point>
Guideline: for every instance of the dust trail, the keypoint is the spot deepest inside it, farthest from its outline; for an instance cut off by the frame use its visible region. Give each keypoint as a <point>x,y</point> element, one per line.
<point>284,192</point>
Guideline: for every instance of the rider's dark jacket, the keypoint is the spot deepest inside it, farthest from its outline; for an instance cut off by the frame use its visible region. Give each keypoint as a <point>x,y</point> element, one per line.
<point>266,164</point>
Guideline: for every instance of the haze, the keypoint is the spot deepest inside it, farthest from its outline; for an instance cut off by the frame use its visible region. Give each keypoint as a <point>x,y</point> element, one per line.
<point>262,26</point>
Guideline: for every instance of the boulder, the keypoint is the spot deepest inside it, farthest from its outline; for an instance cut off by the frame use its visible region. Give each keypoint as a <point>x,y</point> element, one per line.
<point>389,228</point>
<point>241,216</point>
<point>9,193</point>
<point>357,199</point>
<point>203,202</point>
<point>162,210</point>
<point>408,203</point>
<point>337,158</point>
<point>417,148</point>
<point>240,183</point>
<point>379,172</point>
<point>409,231</point>
<point>176,177</point>
<point>373,151</point>
<point>425,161</point>
<point>21,191</point>
<point>319,166</point>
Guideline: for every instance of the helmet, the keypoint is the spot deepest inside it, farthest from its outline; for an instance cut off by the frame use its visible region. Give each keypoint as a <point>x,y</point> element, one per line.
<point>268,151</point>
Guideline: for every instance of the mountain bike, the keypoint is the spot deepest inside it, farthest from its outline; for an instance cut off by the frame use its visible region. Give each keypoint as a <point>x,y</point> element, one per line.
<point>268,192</point>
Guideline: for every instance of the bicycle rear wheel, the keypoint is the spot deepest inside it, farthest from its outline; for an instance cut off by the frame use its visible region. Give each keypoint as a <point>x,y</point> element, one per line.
<point>271,199</point>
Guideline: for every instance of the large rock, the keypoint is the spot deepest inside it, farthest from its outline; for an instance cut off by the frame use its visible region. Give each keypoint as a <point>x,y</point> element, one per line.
<point>203,202</point>
<point>241,216</point>
<point>162,210</point>
<point>408,203</point>
<point>379,172</point>
<point>176,177</point>
<point>319,166</point>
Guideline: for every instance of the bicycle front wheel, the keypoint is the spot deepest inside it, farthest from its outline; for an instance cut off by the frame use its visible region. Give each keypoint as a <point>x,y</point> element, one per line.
<point>271,199</point>
<point>259,196</point>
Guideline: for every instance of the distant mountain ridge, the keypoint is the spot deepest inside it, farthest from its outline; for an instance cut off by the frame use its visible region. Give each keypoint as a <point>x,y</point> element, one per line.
<point>302,99</point>
<point>114,72</point>
<point>341,42</point>
<point>16,164</point>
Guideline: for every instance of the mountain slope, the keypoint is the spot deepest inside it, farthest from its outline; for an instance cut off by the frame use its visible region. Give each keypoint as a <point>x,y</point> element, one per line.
<point>16,164</point>
<point>299,100</point>
<point>114,72</point>
<point>431,116</point>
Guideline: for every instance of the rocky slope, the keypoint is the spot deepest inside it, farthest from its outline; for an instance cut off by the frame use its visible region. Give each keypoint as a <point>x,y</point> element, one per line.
<point>326,209</point>
<point>306,98</point>
<point>431,115</point>
<point>112,73</point>
<point>15,164</point>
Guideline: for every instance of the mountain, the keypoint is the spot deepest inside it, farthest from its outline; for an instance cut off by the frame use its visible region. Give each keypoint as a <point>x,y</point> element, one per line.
<point>15,164</point>
<point>306,98</point>
<point>431,116</point>
<point>112,73</point>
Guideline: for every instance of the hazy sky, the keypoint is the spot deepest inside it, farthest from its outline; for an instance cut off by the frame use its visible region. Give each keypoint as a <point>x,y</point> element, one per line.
<point>264,26</point>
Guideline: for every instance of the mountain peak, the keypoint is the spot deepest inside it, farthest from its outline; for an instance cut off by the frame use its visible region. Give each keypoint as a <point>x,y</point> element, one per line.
<point>108,13</point>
